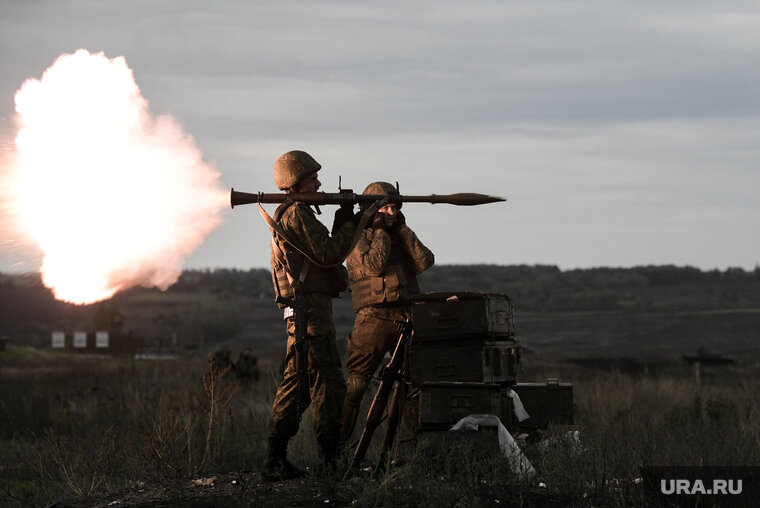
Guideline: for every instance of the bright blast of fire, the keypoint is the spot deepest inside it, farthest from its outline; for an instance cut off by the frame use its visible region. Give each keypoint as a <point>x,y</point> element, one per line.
<point>113,196</point>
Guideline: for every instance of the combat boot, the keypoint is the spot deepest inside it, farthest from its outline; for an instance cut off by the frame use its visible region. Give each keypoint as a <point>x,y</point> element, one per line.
<point>276,465</point>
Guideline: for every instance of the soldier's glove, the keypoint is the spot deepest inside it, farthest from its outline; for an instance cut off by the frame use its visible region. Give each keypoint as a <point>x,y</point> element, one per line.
<point>400,221</point>
<point>343,215</point>
<point>378,222</point>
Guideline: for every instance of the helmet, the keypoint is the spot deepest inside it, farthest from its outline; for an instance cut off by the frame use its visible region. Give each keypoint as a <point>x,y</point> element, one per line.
<point>292,167</point>
<point>380,188</point>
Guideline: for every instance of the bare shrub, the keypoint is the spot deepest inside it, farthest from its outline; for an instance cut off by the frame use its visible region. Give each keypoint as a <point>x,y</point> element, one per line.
<point>77,468</point>
<point>218,398</point>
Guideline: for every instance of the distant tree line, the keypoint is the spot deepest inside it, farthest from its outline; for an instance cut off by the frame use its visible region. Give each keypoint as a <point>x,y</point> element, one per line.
<point>255,282</point>
<point>546,288</point>
<point>491,278</point>
<point>219,300</point>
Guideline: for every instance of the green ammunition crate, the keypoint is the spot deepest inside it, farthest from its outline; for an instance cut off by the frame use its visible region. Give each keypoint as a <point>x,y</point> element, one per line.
<point>485,316</point>
<point>546,403</point>
<point>464,361</point>
<point>443,404</point>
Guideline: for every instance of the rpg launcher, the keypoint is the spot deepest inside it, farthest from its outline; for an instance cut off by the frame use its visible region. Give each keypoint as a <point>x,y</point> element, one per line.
<point>347,197</point>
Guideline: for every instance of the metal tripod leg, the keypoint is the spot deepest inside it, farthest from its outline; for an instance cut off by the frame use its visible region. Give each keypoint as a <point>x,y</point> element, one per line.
<point>390,375</point>
<point>395,413</point>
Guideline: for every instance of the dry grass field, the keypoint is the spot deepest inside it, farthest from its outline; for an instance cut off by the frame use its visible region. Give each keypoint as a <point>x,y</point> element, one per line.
<point>87,431</point>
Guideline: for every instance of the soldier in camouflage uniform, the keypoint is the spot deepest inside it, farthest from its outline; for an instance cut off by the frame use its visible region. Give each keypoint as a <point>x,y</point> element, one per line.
<point>297,171</point>
<point>383,269</point>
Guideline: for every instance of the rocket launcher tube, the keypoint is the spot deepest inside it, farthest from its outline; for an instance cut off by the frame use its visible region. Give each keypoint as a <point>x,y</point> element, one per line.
<point>349,198</point>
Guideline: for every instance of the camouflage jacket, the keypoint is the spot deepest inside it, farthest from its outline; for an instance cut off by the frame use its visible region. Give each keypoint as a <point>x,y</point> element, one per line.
<point>383,267</point>
<point>302,227</point>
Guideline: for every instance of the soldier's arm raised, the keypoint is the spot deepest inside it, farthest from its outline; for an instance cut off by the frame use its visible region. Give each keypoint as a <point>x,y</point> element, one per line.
<point>422,257</point>
<point>369,257</point>
<point>314,238</point>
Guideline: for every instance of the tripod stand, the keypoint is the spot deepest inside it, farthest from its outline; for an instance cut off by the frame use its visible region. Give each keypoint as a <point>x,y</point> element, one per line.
<point>391,379</point>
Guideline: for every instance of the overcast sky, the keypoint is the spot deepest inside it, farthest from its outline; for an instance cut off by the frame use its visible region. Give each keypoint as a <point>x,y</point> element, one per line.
<point>622,133</point>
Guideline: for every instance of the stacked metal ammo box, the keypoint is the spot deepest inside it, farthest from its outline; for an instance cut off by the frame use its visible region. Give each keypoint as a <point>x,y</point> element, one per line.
<point>464,359</point>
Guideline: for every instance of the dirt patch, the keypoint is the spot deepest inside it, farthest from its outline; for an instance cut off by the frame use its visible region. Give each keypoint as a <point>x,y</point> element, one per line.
<point>231,489</point>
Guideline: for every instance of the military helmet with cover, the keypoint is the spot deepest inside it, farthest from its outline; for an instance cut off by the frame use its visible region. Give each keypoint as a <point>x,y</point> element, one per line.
<point>292,167</point>
<point>379,188</point>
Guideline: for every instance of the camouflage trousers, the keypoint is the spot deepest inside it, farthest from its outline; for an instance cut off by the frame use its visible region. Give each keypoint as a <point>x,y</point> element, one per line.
<point>375,333</point>
<point>326,390</point>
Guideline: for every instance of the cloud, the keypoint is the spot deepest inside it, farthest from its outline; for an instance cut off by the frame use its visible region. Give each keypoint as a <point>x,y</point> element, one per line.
<point>587,115</point>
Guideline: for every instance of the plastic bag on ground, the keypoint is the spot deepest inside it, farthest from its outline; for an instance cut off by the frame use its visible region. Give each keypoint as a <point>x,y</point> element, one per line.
<point>518,462</point>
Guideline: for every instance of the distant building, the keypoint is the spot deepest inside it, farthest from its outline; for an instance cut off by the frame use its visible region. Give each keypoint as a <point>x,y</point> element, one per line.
<point>104,336</point>
<point>99,341</point>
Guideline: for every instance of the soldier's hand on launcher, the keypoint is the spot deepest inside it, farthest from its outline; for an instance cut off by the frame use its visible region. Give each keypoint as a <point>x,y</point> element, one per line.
<point>378,222</point>
<point>342,215</point>
<point>400,221</point>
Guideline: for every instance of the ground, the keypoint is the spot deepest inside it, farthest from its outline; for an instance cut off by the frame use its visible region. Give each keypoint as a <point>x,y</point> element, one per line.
<point>231,489</point>
<point>249,489</point>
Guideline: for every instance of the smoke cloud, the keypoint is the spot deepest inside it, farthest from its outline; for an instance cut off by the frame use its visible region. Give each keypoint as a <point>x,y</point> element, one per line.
<point>113,196</point>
